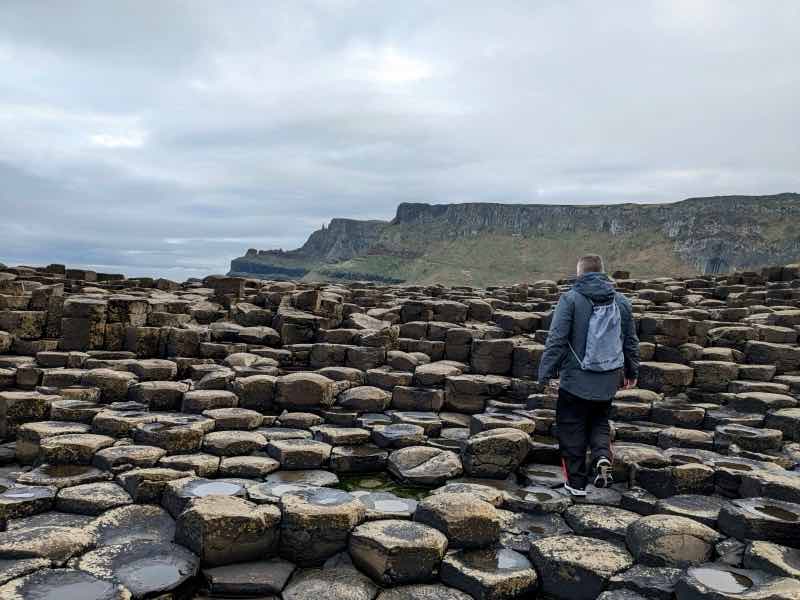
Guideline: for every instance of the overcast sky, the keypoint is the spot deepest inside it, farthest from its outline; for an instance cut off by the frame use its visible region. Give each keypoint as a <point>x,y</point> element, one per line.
<point>157,137</point>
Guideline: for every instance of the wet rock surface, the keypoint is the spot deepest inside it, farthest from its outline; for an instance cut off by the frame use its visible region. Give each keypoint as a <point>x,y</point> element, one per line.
<point>393,551</point>
<point>291,440</point>
<point>62,584</point>
<point>576,566</point>
<point>144,568</point>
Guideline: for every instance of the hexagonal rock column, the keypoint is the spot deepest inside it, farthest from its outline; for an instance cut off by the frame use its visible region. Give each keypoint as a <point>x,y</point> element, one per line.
<point>364,398</point>
<point>714,375</point>
<point>23,501</point>
<point>31,435</point>
<point>50,541</point>
<point>302,391</point>
<point>786,420</point>
<point>718,581</point>
<point>122,458</point>
<point>233,443</point>
<point>490,574</point>
<point>92,498</point>
<point>423,465</point>
<point>50,583</point>
<point>772,558</point>
<point>175,439</point>
<point>198,401</point>
<point>225,529</point>
<point>667,540</point>
<point>234,418</point>
<point>495,453</point>
<point>604,522</point>
<point>133,523</point>
<point>120,423</point>
<point>179,494</point>
<point>771,484</point>
<point>466,520</point>
<point>17,408</point>
<point>113,385</point>
<point>299,453</point>
<point>753,439</point>
<point>147,484</point>
<point>337,580</point>
<point>316,523</point>
<point>260,578</point>
<point>785,357</point>
<point>761,519</point>
<point>492,356</point>
<point>663,377</point>
<point>255,392</point>
<point>760,402</point>
<point>398,435</point>
<point>393,551</point>
<point>423,591</point>
<point>574,567</point>
<point>74,448</point>
<point>651,582</point>
<point>145,568</point>
<point>159,395</point>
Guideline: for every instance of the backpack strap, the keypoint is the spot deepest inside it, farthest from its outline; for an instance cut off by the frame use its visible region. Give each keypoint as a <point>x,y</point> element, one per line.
<point>580,362</point>
<point>571,349</point>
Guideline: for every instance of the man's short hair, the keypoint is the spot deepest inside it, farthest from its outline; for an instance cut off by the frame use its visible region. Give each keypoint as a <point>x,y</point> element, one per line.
<point>590,263</point>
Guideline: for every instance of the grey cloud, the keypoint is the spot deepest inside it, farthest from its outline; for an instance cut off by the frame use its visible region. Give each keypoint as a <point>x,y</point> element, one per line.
<point>166,138</point>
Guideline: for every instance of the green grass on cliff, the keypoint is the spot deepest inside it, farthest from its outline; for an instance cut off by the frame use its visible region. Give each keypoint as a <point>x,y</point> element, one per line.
<point>490,259</point>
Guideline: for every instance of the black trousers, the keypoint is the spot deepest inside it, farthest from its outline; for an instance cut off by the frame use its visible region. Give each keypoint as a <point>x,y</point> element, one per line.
<point>581,425</point>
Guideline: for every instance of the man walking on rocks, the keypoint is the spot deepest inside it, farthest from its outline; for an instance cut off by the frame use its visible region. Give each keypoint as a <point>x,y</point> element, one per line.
<point>592,347</point>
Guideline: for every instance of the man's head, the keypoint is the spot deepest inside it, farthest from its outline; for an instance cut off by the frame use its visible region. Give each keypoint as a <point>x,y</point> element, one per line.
<point>590,263</point>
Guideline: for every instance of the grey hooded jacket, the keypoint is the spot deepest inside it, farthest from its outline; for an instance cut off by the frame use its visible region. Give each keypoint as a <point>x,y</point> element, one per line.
<point>570,324</point>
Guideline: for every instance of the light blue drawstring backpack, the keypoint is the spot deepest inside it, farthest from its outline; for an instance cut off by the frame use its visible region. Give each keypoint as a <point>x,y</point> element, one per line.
<point>603,339</point>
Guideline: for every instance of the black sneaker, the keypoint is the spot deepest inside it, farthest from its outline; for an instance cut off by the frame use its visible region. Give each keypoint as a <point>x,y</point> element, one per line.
<point>603,478</point>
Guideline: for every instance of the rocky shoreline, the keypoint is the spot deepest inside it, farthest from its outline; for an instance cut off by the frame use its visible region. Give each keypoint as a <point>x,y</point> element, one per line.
<point>241,438</point>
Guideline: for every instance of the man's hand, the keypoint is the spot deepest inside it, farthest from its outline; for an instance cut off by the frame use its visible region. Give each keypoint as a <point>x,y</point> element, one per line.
<point>629,383</point>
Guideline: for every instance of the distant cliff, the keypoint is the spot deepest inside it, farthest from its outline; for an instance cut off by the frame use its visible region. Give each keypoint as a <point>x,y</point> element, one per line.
<point>483,244</point>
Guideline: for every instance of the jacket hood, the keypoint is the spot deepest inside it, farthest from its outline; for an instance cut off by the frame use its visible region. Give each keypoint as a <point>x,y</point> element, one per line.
<point>595,286</point>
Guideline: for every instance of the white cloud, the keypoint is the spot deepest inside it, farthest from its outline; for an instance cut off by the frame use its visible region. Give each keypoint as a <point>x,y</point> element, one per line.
<point>188,132</point>
<point>387,65</point>
<point>131,139</point>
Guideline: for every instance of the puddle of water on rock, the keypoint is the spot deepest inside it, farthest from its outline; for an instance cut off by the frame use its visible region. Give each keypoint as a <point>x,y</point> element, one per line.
<point>149,574</point>
<point>11,494</point>
<point>222,488</point>
<point>372,484</point>
<point>381,482</point>
<point>391,506</point>
<point>724,581</point>
<point>327,497</point>
<point>70,588</point>
<point>280,489</point>
<point>776,512</point>
<point>494,560</point>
